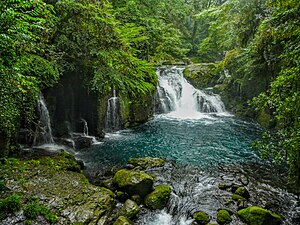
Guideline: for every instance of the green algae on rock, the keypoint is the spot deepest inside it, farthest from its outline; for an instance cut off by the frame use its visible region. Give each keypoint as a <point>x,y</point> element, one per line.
<point>158,199</point>
<point>201,218</point>
<point>134,182</point>
<point>254,215</point>
<point>147,162</point>
<point>242,191</point>
<point>122,220</point>
<point>129,209</point>
<point>237,197</point>
<point>223,217</point>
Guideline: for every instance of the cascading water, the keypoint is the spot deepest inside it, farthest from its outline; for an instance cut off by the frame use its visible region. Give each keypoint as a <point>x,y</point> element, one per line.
<point>85,128</point>
<point>43,131</point>
<point>176,95</point>
<point>113,119</point>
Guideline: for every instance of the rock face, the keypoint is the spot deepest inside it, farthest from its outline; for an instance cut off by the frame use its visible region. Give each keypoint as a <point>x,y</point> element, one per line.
<point>147,162</point>
<point>158,199</point>
<point>57,183</point>
<point>201,218</point>
<point>134,182</point>
<point>254,215</point>
<point>129,209</point>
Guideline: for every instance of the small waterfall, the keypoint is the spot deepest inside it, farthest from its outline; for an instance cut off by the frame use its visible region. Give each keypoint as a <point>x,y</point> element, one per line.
<point>176,95</point>
<point>113,118</point>
<point>85,128</point>
<point>43,131</point>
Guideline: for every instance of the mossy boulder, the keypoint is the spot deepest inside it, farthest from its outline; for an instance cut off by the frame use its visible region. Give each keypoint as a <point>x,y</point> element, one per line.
<point>201,218</point>
<point>146,162</point>
<point>129,209</point>
<point>122,220</point>
<point>242,191</point>
<point>134,182</point>
<point>254,215</point>
<point>237,197</point>
<point>223,217</point>
<point>158,199</point>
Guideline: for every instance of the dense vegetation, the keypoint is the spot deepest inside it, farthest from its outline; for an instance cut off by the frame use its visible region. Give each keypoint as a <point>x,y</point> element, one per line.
<point>115,44</point>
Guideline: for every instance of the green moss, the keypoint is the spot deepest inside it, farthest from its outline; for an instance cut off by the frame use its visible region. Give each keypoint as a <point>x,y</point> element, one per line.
<point>254,215</point>
<point>122,220</point>
<point>223,217</point>
<point>11,203</point>
<point>129,209</point>
<point>242,191</point>
<point>147,162</point>
<point>134,182</point>
<point>34,209</point>
<point>158,199</point>
<point>237,197</point>
<point>201,217</point>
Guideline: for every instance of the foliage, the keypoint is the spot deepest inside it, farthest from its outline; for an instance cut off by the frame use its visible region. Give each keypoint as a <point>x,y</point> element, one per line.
<point>10,204</point>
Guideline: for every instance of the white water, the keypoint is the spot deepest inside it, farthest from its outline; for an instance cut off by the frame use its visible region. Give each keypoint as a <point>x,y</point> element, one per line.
<point>85,128</point>
<point>181,100</point>
<point>113,119</point>
<point>43,131</point>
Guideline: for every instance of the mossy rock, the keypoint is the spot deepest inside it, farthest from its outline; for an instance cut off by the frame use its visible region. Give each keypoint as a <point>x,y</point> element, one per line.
<point>242,191</point>
<point>159,198</point>
<point>254,215</point>
<point>134,182</point>
<point>147,162</point>
<point>237,197</point>
<point>129,209</point>
<point>201,218</point>
<point>223,217</point>
<point>122,220</point>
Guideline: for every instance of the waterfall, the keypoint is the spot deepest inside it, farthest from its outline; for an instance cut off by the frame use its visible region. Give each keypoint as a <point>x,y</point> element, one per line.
<point>85,128</point>
<point>43,130</point>
<point>113,118</point>
<point>177,96</point>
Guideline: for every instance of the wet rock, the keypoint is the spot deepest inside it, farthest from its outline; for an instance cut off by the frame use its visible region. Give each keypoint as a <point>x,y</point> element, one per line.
<point>129,209</point>
<point>254,215</point>
<point>147,162</point>
<point>122,220</point>
<point>244,180</point>
<point>242,191</point>
<point>83,142</point>
<point>236,197</point>
<point>228,202</point>
<point>234,187</point>
<point>137,199</point>
<point>121,196</point>
<point>158,199</point>
<point>224,186</point>
<point>223,217</point>
<point>201,218</point>
<point>109,184</point>
<point>134,182</point>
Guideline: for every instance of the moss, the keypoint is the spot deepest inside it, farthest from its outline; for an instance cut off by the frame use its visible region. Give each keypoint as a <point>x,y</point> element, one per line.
<point>201,217</point>
<point>134,182</point>
<point>122,220</point>
<point>242,191</point>
<point>254,215</point>
<point>147,162</point>
<point>223,217</point>
<point>237,197</point>
<point>34,209</point>
<point>159,198</point>
<point>11,203</point>
<point>129,209</point>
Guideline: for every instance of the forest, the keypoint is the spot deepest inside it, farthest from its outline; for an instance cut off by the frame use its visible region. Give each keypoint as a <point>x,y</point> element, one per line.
<point>253,46</point>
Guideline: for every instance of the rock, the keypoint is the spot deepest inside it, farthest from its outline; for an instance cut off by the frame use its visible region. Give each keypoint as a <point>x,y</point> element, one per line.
<point>254,215</point>
<point>201,218</point>
<point>129,209</point>
<point>223,217</point>
<point>137,199</point>
<point>147,162</point>
<point>121,196</point>
<point>224,186</point>
<point>237,197</point>
<point>83,141</point>
<point>158,199</point>
<point>134,182</point>
<point>122,220</point>
<point>108,183</point>
<point>234,187</point>
<point>244,180</point>
<point>242,191</point>
<point>228,202</point>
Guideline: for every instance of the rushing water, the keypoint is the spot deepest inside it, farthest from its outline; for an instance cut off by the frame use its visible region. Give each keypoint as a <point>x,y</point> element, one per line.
<point>205,146</point>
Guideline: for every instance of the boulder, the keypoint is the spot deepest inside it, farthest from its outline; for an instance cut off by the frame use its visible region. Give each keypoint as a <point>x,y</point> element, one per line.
<point>223,217</point>
<point>129,209</point>
<point>134,182</point>
<point>83,142</point>
<point>237,197</point>
<point>158,199</point>
<point>242,191</point>
<point>254,215</point>
<point>122,220</point>
<point>201,218</point>
<point>147,162</point>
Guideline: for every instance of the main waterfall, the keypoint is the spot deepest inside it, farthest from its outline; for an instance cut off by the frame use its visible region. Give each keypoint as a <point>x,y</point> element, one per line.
<point>179,98</point>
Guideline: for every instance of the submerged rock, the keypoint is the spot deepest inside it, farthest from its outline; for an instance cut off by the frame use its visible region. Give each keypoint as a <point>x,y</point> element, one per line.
<point>134,182</point>
<point>201,218</point>
<point>254,215</point>
<point>147,162</point>
<point>159,198</point>
<point>223,217</point>
<point>122,220</point>
<point>129,209</point>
